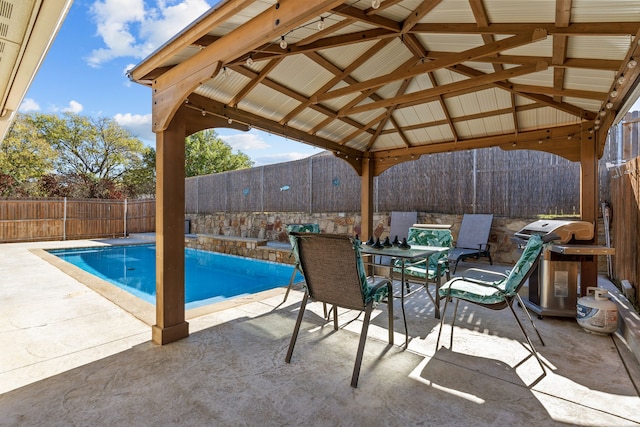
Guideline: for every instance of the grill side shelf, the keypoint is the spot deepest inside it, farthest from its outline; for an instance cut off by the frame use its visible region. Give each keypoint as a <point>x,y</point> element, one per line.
<point>582,250</point>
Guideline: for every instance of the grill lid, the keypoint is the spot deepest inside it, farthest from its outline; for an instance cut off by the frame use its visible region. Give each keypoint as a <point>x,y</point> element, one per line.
<point>566,230</point>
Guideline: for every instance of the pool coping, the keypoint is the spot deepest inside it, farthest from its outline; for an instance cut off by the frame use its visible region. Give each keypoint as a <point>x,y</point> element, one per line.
<point>143,310</point>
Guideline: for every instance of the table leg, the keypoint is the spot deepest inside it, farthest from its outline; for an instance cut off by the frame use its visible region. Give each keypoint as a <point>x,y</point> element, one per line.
<point>404,316</point>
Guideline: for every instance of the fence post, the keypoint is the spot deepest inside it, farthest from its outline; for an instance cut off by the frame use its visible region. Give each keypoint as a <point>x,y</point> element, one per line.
<point>125,217</point>
<point>310,184</point>
<point>64,221</point>
<point>475,179</point>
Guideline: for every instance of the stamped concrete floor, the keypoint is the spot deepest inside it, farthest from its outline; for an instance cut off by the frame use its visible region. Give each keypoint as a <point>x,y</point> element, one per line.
<point>70,356</point>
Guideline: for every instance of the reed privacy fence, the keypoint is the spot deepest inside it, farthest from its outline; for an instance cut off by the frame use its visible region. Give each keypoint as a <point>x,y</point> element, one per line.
<point>511,184</point>
<point>67,219</point>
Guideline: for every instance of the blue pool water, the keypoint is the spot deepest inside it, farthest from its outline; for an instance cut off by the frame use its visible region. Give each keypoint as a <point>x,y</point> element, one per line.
<point>209,277</point>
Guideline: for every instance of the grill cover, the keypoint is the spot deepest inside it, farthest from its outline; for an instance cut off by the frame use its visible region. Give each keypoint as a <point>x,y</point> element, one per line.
<point>566,230</point>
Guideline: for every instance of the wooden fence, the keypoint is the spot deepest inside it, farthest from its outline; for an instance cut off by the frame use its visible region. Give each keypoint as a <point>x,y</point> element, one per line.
<point>67,219</point>
<point>625,220</point>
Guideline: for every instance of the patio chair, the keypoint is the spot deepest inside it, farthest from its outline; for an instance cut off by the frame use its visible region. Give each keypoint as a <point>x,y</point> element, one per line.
<point>334,274</point>
<point>473,238</point>
<point>399,226</point>
<point>300,228</point>
<point>429,270</point>
<point>496,291</point>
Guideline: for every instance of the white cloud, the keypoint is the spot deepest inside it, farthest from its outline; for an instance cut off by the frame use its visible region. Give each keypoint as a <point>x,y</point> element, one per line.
<point>29,104</point>
<point>138,124</point>
<point>74,107</point>
<point>129,29</point>
<point>245,142</point>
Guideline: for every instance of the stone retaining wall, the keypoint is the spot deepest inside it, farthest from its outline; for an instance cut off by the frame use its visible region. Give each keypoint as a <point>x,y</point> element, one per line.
<point>271,227</point>
<point>241,246</point>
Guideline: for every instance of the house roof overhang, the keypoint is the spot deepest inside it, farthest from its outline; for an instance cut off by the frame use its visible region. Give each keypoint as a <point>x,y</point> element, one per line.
<point>407,78</point>
<point>27,30</point>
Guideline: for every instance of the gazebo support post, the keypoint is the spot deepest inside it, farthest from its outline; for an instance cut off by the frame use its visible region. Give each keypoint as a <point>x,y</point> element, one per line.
<point>589,205</point>
<point>170,198</point>
<point>366,199</point>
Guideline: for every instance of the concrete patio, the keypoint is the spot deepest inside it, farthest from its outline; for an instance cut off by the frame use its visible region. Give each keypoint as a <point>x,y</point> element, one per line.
<point>72,357</point>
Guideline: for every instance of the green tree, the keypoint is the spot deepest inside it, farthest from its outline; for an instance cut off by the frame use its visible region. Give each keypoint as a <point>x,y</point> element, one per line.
<point>142,180</point>
<point>97,148</point>
<point>94,154</point>
<point>206,153</point>
<point>25,157</point>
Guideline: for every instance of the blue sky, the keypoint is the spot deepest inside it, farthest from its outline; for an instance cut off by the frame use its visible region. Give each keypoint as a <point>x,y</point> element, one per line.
<point>84,71</point>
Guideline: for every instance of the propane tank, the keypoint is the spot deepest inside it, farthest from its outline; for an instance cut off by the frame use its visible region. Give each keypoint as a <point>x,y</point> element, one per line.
<point>596,313</point>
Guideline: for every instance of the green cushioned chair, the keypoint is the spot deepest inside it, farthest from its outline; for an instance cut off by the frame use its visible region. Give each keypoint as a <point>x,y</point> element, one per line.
<point>495,290</point>
<point>429,270</point>
<point>335,274</point>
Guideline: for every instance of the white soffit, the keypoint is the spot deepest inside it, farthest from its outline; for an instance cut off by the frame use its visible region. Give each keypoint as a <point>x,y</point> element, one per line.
<point>451,11</point>
<point>27,30</point>
<point>385,61</point>
<point>607,11</point>
<point>431,134</point>
<point>308,78</point>
<point>410,116</point>
<point>611,47</point>
<point>526,11</point>
<point>585,104</point>
<point>450,42</point>
<point>541,117</point>
<point>343,56</point>
<point>583,79</point>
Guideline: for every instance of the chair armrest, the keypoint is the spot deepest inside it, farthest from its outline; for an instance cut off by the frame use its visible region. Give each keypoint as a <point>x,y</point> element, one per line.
<point>381,282</point>
<point>484,277</point>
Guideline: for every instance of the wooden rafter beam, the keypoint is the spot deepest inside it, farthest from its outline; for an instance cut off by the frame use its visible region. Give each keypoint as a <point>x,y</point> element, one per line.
<point>514,113</point>
<point>383,6</point>
<point>482,20</point>
<point>374,20</point>
<point>444,61</point>
<point>340,75</point>
<point>384,119</point>
<point>214,17</point>
<point>574,29</point>
<point>542,99</point>
<point>433,93</point>
<point>445,110</point>
<point>295,95</point>
<point>270,51</point>
<point>563,19</point>
<point>575,93</point>
<point>219,109</point>
<point>624,91</point>
<point>418,13</point>
<point>171,88</point>
<point>550,137</point>
<point>597,64</point>
<point>465,118</point>
<point>321,34</point>
<point>254,82</point>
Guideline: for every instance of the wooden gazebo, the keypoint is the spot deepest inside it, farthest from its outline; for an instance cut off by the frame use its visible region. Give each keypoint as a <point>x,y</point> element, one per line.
<point>385,81</point>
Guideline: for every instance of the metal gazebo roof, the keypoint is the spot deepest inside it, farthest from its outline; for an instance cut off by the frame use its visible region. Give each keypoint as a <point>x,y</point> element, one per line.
<point>409,77</point>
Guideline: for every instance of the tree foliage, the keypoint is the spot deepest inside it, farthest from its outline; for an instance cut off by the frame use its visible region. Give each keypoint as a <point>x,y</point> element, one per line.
<point>206,153</point>
<point>71,155</point>
<point>93,148</point>
<point>77,156</point>
<point>25,156</point>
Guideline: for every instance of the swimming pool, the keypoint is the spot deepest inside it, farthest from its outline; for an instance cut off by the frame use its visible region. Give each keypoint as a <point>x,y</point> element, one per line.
<point>210,277</point>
